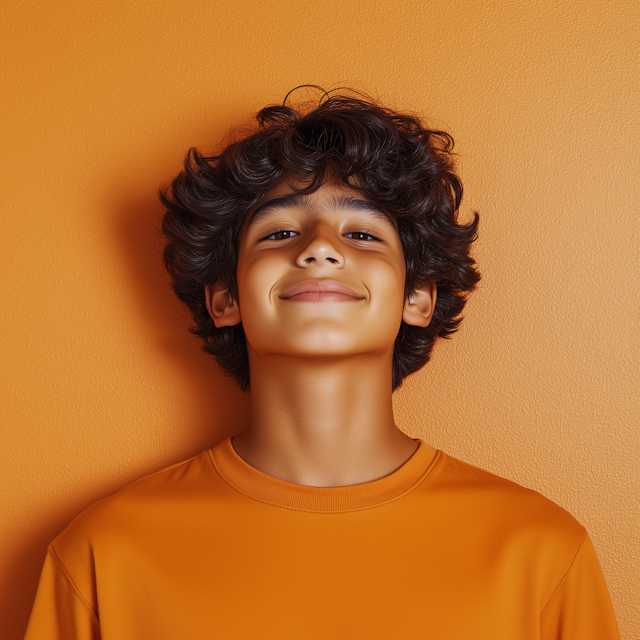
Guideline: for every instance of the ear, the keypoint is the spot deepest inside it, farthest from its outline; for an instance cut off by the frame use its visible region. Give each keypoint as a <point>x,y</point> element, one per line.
<point>221,306</point>
<point>419,307</point>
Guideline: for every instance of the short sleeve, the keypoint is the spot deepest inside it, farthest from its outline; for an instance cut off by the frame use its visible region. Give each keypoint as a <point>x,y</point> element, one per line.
<point>59,612</point>
<point>580,608</point>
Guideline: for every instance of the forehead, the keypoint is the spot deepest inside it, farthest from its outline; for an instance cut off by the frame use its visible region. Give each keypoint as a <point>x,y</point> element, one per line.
<point>331,197</point>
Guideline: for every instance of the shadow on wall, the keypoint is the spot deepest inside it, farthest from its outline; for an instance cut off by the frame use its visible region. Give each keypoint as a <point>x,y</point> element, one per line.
<point>212,405</point>
<point>166,321</point>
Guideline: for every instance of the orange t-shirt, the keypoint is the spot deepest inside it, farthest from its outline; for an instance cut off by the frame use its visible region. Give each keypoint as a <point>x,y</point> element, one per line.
<point>213,548</point>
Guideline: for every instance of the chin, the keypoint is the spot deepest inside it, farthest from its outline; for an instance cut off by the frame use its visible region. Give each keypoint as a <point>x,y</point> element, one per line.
<point>327,347</point>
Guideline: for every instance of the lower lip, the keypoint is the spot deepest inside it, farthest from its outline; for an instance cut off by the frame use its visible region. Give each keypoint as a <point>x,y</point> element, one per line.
<point>322,296</point>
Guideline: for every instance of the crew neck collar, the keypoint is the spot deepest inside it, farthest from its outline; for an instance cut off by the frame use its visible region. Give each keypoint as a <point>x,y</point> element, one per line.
<point>258,485</point>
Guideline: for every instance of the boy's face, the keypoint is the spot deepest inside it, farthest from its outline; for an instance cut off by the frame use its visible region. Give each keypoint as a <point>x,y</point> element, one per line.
<point>345,255</point>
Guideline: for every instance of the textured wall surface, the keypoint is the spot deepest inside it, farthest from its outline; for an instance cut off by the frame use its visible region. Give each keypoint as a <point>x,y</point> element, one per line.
<point>101,382</point>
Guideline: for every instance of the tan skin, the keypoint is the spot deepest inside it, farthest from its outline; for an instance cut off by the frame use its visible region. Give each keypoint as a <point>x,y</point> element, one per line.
<point>320,363</point>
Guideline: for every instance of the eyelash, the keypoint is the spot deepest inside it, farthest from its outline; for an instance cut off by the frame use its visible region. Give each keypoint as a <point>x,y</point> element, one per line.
<point>363,231</point>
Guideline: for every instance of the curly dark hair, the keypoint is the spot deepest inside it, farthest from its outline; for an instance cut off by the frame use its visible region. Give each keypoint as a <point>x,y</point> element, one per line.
<point>393,158</point>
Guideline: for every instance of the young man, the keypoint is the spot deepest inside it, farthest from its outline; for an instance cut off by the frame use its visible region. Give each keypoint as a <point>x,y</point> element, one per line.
<point>321,256</point>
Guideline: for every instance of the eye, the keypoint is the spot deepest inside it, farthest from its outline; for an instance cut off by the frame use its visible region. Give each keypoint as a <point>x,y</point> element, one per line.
<point>281,234</point>
<point>359,233</point>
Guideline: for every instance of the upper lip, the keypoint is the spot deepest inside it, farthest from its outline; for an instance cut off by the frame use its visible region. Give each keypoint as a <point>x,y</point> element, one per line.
<point>319,286</point>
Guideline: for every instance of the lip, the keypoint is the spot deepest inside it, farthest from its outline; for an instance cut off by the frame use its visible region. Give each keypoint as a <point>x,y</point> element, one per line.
<point>324,290</point>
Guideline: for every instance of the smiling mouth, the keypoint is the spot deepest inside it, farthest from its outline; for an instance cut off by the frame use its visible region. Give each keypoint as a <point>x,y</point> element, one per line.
<point>321,291</point>
<point>321,296</point>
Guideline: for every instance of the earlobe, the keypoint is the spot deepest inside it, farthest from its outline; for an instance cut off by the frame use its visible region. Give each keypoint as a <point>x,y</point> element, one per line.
<point>419,307</point>
<point>222,308</point>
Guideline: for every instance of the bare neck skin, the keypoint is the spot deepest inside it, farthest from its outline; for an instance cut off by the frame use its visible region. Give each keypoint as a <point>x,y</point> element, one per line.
<point>323,424</point>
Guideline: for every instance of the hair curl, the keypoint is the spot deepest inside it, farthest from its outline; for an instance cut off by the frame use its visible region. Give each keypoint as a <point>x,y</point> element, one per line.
<point>401,165</point>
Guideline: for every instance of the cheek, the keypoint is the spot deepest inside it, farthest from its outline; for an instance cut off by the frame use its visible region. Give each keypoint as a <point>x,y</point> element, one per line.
<point>400,274</point>
<point>394,282</point>
<point>387,276</point>
<point>255,281</point>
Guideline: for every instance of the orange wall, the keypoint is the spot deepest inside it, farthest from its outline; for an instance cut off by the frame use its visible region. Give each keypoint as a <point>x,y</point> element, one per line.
<point>102,383</point>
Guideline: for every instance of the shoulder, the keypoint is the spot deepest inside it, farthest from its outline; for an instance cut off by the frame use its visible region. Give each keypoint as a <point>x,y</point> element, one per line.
<point>103,535</point>
<point>504,508</point>
<point>141,505</point>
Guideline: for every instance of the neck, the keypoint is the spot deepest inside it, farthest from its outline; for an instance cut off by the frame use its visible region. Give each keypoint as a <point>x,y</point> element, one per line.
<point>323,422</point>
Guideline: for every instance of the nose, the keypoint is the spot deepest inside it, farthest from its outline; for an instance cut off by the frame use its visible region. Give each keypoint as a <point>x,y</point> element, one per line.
<point>320,249</point>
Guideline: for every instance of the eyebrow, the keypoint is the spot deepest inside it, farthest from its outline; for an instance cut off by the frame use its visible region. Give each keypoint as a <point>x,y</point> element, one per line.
<point>296,200</point>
